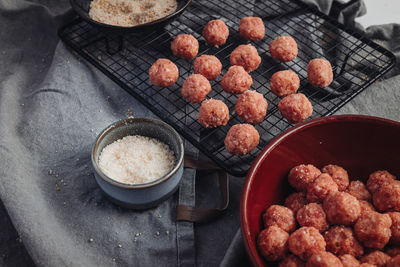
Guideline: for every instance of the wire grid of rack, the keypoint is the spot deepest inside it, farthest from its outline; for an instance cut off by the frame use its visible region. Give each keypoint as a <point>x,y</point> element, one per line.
<point>356,61</point>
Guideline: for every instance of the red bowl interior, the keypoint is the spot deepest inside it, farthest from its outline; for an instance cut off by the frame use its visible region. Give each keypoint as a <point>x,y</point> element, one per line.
<point>360,144</point>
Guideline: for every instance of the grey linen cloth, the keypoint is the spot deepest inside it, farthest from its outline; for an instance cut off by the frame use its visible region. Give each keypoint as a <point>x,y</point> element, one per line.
<point>52,104</point>
<point>52,107</point>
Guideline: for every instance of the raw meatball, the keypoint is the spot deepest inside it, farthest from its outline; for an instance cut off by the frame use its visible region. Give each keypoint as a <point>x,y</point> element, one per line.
<point>216,32</point>
<point>291,261</point>
<point>340,240</point>
<point>208,66</point>
<point>213,113</point>
<point>163,73</point>
<point>393,262</point>
<point>342,208</point>
<point>302,175</point>
<point>338,174</point>
<point>366,206</point>
<point>241,139</point>
<point>387,197</point>
<point>393,251</point>
<point>377,258</point>
<point>236,80</point>
<point>320,72</point>
<point>195,88</point>
<point>251,107</point>
<point>373,229</point>
<point>367,265</point>
<point>324,259</point>
<point>295,108</point>
<point>359,190</point>
<point>306,241</point>
<point>377,179</point>
<point>185,46</point>
<point>283,49</point>
<point>284,82</point>
<point>395,228</point>
<point>252,28</point>
<point>318,190</point>
<point>281,217</point>
<point>272,243</point>
<point>349,261</point>
<point>296,201</point>
<point>312,215</point>
<point>246,56</point>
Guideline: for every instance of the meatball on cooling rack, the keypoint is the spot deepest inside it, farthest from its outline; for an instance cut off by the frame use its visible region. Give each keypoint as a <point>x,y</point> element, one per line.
<point>185,46</point>
<point>216,32</point>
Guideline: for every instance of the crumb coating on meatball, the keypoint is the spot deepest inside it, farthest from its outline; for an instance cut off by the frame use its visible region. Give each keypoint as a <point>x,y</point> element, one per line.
<point>366,206</point>
<point>349,261</point>
<point>295,108</point>
<point>252,28</point>
<point>392,251</point>
<point>320,72</point>
<point>378,258</point>
<point>387,197</point>
<point>393,262</point>
<point>372,229</point>
<point>272,243</point>
<point>296,201</point>
<point>281,217</point>
<point>213,113</point>
<point>236,80</point>
<point>341,240</point>
<point>207,65</point>
<point>216,32</point>
<point>312,215</point>
<point>301,176</point>
<point>163,73</point>
<point>251,107</point>
<point>320,188</point>
<point>246,56</point>
<point>284,82</point>
<point>283,48</point>
<point>323,259</point>
<point>185,46</point>
<point>377,179</point>
<point>395,228</point>
<point>196,88</point>
<point>306,241</point>
<point>338,174</point>
<point>358,190</point>
<point>291,261</point>
<point>341,208</point>
<point>241,139</point>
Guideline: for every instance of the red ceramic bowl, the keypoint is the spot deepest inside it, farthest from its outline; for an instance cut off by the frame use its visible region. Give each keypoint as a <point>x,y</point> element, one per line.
<point>360,144</point>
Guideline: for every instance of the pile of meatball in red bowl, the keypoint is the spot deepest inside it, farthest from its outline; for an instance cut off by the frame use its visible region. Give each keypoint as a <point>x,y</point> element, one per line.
<point>326,193</point>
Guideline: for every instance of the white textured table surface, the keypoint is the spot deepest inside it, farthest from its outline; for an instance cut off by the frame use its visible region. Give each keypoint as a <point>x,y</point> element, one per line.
<point>380,12</point>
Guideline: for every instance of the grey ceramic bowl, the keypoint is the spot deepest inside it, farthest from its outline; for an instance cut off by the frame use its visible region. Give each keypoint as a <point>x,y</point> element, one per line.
<point>139,196</point>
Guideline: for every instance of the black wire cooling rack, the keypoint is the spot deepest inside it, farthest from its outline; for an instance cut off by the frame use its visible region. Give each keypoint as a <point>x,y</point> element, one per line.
<point>357,62</point>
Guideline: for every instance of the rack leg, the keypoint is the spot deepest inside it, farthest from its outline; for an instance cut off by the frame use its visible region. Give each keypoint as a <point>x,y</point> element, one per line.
<point>110,48</point>
<point>340,70</point>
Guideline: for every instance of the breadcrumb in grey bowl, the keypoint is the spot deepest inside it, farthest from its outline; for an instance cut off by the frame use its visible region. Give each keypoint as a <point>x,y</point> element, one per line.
<point>143,195</point>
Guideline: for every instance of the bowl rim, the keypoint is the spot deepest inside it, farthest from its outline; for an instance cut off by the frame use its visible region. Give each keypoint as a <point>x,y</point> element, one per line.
<point>132,120</point>
<point>85,16</point>
<point>244,223</point>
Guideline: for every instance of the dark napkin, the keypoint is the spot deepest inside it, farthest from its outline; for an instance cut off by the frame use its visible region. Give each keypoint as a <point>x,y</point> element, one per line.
<point>52,104</point>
